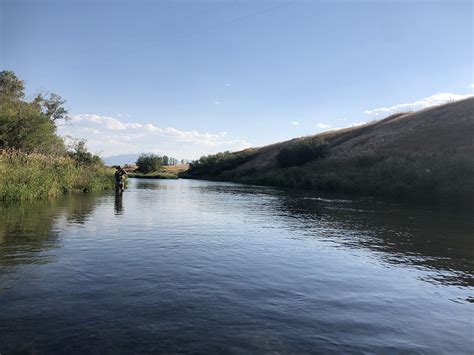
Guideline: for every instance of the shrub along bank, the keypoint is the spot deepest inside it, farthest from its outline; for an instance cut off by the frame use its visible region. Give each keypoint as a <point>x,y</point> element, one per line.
<point>33,176</point>
<point>427,154</point>
<point>34,160</point>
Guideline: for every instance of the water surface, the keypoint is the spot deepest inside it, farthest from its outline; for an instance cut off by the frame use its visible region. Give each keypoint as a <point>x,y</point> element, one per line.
<point>205,267</point>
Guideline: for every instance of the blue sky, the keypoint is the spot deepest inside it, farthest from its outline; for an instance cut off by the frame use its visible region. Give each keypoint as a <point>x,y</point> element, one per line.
<point>188,78</point>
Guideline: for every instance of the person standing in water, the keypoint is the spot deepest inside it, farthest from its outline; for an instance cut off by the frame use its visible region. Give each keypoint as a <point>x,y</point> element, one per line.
<point>119,179</point>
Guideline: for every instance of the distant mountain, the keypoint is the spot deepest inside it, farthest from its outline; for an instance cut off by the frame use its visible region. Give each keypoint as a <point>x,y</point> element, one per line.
<point>121,159</point>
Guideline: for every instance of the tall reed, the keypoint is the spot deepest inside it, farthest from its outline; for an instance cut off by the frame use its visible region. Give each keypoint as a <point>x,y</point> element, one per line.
<point>34,176</point>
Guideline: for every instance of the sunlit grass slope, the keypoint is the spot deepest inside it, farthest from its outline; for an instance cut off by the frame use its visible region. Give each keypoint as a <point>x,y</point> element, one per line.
<point>424,154</point>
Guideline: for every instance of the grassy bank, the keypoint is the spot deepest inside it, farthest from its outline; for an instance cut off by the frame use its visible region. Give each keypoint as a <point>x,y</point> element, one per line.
<point>165,172</point>
<point>155,175</point>
<point>443,176</point>
<point>35,176</point>
<point>405,176</point>
<point>427,154</point>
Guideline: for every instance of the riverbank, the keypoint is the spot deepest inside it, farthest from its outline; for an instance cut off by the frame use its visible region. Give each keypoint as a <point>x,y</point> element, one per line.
<point>166,172</point>
<point>427,155</point>
<point>36,176</point>
<point>155,175</point>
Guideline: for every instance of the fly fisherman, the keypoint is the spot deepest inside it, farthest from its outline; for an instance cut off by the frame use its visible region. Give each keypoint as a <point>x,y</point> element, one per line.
<point>119,179</point>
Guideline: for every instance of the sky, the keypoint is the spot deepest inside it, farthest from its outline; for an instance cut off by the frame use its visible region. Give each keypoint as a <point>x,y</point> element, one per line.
<point>188,78</point>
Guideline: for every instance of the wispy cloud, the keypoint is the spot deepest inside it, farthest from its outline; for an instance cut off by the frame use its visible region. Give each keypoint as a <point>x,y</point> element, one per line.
<point>436,99</point>
<point>471,86</point>
<point>323,126</point>
<point>110,136</point>
<point>355,124</point>
<point>294,123</point>
<point>217,102</point>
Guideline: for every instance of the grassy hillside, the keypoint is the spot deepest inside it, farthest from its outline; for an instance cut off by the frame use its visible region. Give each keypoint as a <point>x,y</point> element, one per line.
<point>424,154</point>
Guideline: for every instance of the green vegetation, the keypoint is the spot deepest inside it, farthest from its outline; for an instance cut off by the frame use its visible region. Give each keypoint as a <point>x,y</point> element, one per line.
<point>164,172</point>
<point>33,176</point>
<point>422,155</point>
<point>34,161</point>
<point>215,164</point>
<point>415,175</point>
<point>152,166</point>
<point>169,160</point>
<point>154,175</point>
<point>78,152</point>
<point>148,163</point>
<point>152,163</point>
<point>29,125</point>
<point>301,153</point>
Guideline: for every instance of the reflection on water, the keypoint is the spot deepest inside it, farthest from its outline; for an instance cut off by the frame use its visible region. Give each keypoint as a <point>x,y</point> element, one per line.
<point>118,203</point>
<point>193,266</point>
<point>438,239</point>
<point>30,228</point>
<point>432,237</point>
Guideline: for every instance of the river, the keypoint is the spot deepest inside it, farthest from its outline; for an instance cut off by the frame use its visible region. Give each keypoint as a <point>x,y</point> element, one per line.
<point>194,266</point>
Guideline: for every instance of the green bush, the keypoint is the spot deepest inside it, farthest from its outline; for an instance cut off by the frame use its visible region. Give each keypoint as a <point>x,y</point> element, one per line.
<point>79,153</point>
<point>215,164</point>
<point>148,163</point>
<point>414,175</point>
<point>301,152</point>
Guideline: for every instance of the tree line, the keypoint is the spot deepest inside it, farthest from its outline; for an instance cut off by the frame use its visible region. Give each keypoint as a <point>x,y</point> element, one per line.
<point>30,126</point>
<point>148,163</point>
<point>35,162</point>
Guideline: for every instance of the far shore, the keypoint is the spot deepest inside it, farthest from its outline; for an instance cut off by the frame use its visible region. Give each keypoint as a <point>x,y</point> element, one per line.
<point>166,172</point>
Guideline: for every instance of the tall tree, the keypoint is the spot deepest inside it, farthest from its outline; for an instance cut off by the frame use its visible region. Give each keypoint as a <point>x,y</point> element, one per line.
<point>26,125</point>
<point>53,107</point>
<point>148,163</point>
<point>11,88</point>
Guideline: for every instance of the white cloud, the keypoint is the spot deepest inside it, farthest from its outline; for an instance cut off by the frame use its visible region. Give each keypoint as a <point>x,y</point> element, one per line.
<point>471,86</point>
<point>355,124</point>
<point>436,99</point>
<point>108,122</point>
<point>217,102</point>
<point>323,125</point>
<point>110,136</point>
<point>294,123</point>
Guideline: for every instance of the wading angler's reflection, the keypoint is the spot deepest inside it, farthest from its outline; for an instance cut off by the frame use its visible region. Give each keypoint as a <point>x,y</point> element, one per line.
<point>118,203</point>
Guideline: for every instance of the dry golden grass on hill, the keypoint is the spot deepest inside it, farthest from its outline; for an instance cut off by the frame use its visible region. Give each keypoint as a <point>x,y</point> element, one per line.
<point>449,127</point>
<point>165,172</point>
<point>428,153</point>
<point>175,169</point>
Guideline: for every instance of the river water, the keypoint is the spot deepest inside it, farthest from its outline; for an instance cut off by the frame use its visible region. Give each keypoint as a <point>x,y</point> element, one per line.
<point>193,266</point>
